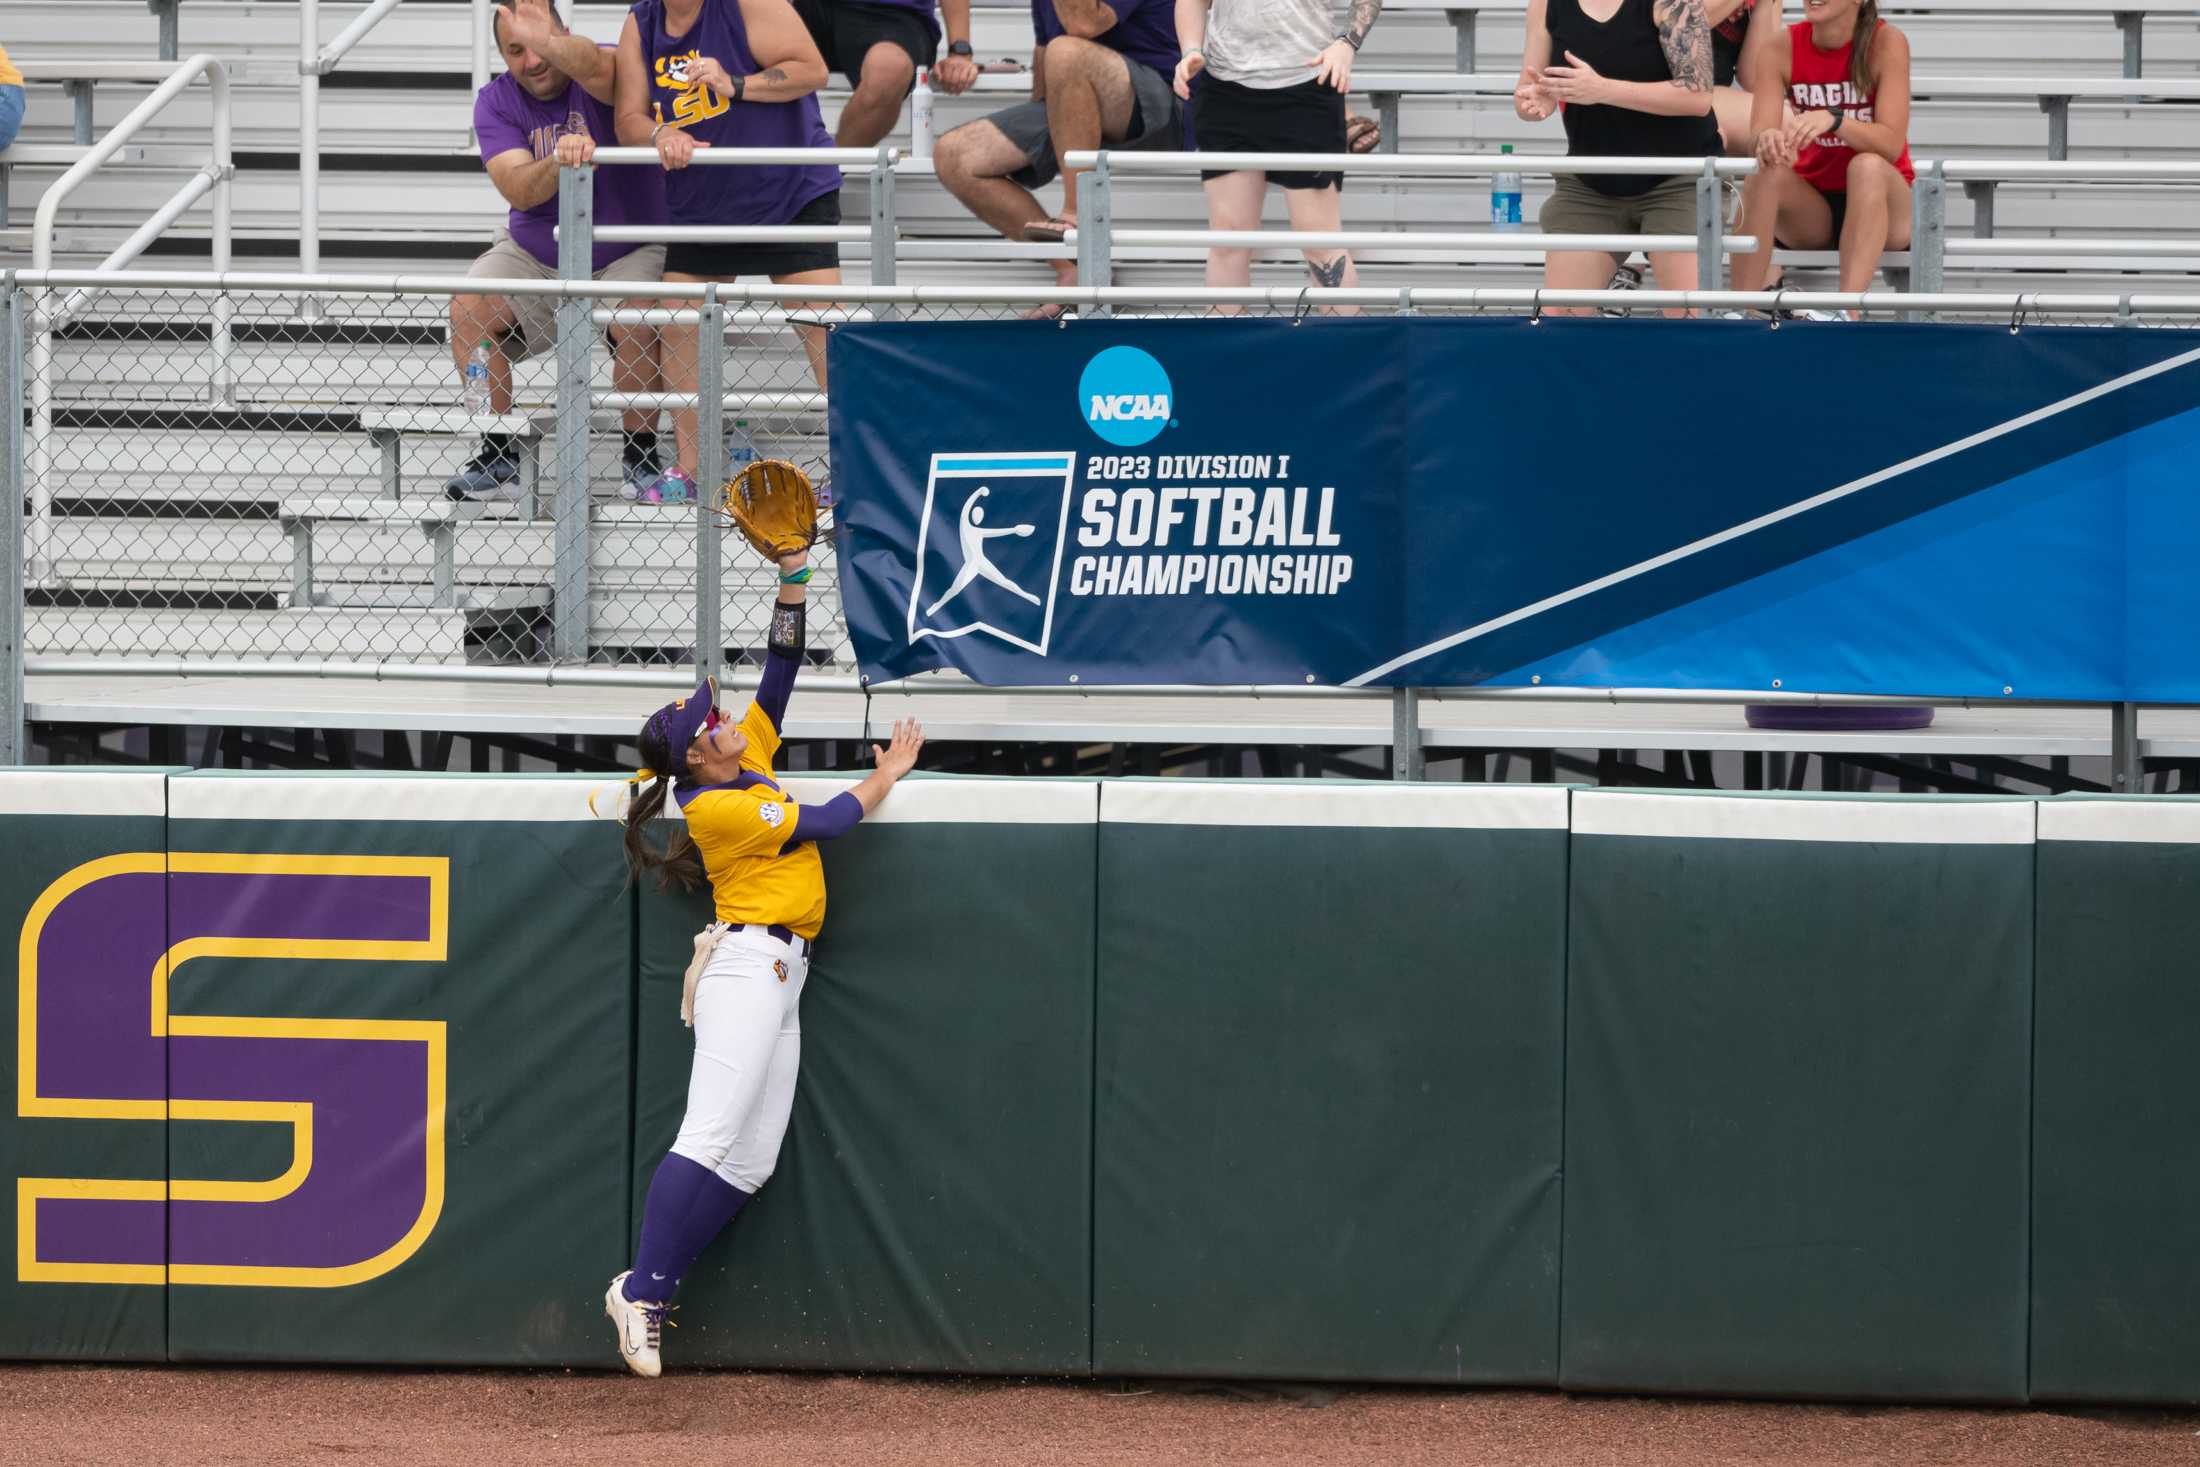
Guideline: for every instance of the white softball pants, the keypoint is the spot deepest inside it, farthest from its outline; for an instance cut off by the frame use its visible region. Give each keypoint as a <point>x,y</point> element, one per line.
<point>748,1045</point>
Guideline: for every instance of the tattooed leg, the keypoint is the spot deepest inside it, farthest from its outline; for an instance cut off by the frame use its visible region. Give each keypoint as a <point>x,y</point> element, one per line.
<point>1329,274</point>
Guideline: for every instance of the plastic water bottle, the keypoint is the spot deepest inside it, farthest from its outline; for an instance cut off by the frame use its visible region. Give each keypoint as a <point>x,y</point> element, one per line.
<point>741,449</point>
<point>477,381</point>
<point>920,117</point>
<point>1505,197</point>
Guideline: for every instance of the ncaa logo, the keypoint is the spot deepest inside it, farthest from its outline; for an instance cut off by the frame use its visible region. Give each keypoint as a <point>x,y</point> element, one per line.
<point>1124,395</point>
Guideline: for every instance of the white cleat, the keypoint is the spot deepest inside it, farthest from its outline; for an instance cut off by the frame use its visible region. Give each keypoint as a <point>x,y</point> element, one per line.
<point>640,1327</point>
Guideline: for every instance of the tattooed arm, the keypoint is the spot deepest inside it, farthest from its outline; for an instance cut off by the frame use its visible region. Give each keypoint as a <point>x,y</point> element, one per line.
<point>1686,38</point>
<point>1364,13</point>
<point>788,66</point>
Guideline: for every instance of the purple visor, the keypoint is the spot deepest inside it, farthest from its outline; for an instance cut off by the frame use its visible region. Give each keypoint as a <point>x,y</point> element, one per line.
<point>683,719</point>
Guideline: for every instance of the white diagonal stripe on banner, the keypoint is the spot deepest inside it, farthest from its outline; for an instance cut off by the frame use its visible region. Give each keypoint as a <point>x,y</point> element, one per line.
<point>1747,527</point>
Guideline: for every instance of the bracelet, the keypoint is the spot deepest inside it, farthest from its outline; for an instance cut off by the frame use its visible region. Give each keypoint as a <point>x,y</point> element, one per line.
<point>660,127</point>
<point>795,578</point>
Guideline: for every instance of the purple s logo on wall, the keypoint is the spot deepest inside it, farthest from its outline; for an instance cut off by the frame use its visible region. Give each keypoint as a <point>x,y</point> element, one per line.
<point>364,1098</point>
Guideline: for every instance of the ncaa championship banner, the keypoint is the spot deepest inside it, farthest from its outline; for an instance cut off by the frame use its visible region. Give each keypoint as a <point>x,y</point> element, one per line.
<point>1415,501</point>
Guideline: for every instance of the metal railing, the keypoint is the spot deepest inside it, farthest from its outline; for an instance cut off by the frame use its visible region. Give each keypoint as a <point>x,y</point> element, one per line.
<point>50,314</point>
<point>316,61</point>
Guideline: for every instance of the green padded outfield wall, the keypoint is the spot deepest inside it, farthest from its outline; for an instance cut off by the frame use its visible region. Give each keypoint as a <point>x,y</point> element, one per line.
<point>2115,1192</point>
<point>398,1053</point>
<point>932,1206</point>
<point>83,1144</point>
<point>1797,1095</point>
<point>1328,1080</point>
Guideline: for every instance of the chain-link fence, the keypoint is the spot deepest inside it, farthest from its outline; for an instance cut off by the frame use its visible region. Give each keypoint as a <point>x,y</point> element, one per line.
<point>406,475</point>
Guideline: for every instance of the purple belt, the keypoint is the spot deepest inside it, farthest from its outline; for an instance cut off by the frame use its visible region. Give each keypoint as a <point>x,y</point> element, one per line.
<point>787,935</point>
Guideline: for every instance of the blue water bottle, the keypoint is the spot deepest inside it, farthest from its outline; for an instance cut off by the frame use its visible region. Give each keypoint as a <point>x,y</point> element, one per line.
<point>1505,197</point>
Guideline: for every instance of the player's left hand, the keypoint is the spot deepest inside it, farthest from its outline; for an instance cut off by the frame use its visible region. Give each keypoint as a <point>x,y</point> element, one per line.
<point>575,149</point>
<point>900,756</point>
<point>1578,83</point>
<point>1333,68</point>
<point>705,71</point>
<point>955,74</point>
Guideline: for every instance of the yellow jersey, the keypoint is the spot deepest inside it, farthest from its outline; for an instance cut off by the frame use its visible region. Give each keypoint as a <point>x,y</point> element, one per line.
<point>9,76</point>
<point>748,833</point>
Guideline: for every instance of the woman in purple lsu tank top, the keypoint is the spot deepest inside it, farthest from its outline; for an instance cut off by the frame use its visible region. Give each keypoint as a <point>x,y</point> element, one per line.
<point>697,74</point>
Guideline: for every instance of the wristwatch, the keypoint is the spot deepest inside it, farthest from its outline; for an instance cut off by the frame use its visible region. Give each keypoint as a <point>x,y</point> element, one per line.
<point>740,87</point>
<point>1350,40</point>
<point>1833,128</point>
<point>960,48</point>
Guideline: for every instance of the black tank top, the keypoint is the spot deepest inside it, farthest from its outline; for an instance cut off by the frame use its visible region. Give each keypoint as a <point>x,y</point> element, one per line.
<point>1624,48</point>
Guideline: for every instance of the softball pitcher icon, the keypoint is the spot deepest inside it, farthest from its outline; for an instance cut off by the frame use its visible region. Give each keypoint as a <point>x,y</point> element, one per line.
<point>988,557</point>
<point>972,534</point>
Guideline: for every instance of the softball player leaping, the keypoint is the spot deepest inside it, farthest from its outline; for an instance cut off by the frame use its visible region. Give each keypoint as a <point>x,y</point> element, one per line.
<point>744,991</point>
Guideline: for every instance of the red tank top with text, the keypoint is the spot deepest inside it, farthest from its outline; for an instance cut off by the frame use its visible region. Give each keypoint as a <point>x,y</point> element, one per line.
<point>1819,79</point>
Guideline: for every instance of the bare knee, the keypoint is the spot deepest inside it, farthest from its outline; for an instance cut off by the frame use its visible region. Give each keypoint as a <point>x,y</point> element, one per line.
<point>1073,56</point>
<point>954,157</point>
<point>1870,173</point>
<point>475,316</point>
<point>887,75</point>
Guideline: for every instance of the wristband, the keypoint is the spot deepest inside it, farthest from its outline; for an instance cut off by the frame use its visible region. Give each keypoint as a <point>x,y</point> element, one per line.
<point>785,634</point>
<point>795,578</point>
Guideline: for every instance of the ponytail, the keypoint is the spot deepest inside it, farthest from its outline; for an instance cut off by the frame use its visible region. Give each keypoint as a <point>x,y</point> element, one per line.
<point>1862,75</point>
<point>678,863</point>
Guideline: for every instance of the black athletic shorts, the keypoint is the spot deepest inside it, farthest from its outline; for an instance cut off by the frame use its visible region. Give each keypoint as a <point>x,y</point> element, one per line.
<point>1838,202</point>
<point>1307,118</point>
<point>730,261</point>
<point>846,30</point>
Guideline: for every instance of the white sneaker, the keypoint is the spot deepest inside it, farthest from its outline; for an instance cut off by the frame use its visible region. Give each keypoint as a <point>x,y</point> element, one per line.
<point>640,1326</point>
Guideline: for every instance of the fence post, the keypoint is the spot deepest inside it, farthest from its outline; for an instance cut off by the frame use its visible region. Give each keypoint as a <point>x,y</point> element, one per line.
<point>1406,758</point>
<point>883,231</point>
<point>1095,228</point>
<point>2125,769</point>
<point>2132,23</point>
<point>710,473</point>
<point>13,745</point>
<point>309,150</point>
<point>1929,241</point>
<point>1710,226</point>
<point>569,442</point>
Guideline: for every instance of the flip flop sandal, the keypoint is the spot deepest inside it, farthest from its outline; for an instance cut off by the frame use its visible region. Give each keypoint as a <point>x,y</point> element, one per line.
<point>1051,311</point>
<point>1362,134</point>
<point>1048,231</point>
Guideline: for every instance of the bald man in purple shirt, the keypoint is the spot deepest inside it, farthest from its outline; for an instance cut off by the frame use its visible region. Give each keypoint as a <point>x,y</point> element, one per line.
<point>552,106</point>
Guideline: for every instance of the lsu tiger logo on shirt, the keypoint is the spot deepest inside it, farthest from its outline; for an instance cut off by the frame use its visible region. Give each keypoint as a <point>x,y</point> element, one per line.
<point>692,102</point>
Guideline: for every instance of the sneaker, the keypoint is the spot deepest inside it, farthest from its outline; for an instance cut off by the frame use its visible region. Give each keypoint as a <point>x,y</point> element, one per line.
<point>672,487</point>
<point>492,473</point>
<point>640,1327</point>
<point>1626,277</point>
<point>641,478</point>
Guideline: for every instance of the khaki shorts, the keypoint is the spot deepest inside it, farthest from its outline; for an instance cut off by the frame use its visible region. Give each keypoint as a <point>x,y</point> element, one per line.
<point>1576,208</point>
<point>537,315</point>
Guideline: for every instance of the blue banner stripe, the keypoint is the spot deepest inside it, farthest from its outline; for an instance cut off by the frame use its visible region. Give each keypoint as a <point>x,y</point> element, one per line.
<point>1034,464</point>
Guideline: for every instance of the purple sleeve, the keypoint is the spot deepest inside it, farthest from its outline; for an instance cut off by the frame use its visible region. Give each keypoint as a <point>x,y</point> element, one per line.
<point>829,821</point>
<point>498,130</point>
<point>776,687</point>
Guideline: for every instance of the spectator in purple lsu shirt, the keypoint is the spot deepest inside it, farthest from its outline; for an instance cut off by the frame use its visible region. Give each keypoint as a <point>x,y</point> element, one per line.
<point>1101,73</point>
<point>551,107</point>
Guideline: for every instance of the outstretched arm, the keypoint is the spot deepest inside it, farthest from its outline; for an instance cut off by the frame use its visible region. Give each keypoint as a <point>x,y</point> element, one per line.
<point>783,642</point>
<point>839,815</point>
